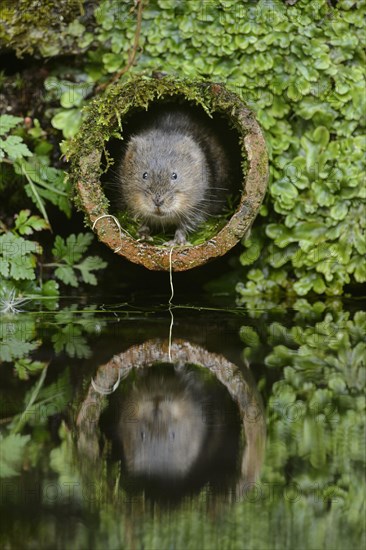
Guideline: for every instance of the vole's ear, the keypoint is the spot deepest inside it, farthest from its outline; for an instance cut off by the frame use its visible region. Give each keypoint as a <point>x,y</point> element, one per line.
<point>188,147</point>
<point>131,148</point>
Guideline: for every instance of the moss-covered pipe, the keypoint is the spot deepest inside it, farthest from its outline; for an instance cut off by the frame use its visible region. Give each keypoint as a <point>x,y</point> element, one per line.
<point>104,119</point>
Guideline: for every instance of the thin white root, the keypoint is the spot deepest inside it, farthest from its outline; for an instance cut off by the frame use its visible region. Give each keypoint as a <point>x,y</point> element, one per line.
<point>171,303</point>
<point>118,225</point>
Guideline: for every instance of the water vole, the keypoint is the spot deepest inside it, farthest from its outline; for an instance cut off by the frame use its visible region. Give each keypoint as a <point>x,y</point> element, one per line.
<point>174,173</point>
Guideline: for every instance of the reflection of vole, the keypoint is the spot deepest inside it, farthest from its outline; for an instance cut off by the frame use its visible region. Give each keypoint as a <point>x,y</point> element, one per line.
<point>162,429</point>
<point>174,172</point>
<point>173,430</point>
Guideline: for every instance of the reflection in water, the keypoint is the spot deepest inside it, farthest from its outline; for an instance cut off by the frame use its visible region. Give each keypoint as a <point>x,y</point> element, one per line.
<point>161,427</point>
<point>175,431</point>
<point>174,428</point>
<point>311,487</point>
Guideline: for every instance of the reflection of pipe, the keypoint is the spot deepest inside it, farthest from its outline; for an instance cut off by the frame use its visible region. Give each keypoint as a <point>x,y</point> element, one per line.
<point>181,352</point>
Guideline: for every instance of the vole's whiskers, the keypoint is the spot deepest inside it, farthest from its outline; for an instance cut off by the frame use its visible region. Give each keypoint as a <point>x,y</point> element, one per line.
<point>211,201</point>
<point>111,170</point>
<point>112,184</point>
<point>199,211</point>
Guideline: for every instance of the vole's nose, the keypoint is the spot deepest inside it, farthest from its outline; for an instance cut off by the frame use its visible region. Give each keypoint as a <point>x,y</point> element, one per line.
<point>158,201</point>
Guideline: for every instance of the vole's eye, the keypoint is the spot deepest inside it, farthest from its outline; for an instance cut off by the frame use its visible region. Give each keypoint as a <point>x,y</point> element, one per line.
<point>144,176</point>
<point>174,176</point>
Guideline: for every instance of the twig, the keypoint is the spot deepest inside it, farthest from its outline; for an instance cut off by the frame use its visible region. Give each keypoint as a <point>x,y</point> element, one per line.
<point>23,417</point>
<point>37,197</point>
<point>133,51</point>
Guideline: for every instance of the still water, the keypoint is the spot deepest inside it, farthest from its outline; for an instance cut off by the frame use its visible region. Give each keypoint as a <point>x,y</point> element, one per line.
<point>129,424</point>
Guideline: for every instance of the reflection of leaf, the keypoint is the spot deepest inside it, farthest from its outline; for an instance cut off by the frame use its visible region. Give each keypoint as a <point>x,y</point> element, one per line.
<point>12,449</point>
<point>16,339</point>
<point>42,401</point>
<point>53,399</point>
<point>316,407</point>
<point>71,340</point>
<point>18,259</point>
<point>72,324</point>
<point>62,461</point>
<point>26,367</point>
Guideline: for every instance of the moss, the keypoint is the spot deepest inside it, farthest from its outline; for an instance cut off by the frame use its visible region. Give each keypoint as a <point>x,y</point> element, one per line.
<point>43,29</point>
<point>104,113</point>
<point>205,232</point>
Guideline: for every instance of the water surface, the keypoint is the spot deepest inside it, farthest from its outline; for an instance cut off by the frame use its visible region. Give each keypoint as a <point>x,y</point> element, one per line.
<point>129,424</point>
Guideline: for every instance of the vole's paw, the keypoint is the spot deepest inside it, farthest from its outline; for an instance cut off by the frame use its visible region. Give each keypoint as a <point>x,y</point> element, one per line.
<point>144,233</point>
<point>179,239</point>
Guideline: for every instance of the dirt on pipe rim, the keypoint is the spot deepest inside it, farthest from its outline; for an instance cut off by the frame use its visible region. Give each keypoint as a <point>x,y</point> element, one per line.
<point>104,118</point>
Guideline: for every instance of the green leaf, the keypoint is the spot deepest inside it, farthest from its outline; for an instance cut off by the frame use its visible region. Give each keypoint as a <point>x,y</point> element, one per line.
<point>321,135</point>
<point>50,288</point>
<point>305,284</point>
<point>7,122</point>
<point>45,184</point>
<point>4,267</point>
<point>23,267</point>
<point>285,190</point>
<point>75,28</point>
<point>66,274</point>
<point>72,250</point>
<point>12,450</point>
<point>68,121</point>
<point>254,247</point>
<point>112,62</point>
<point>25,224</point>
<point>340,210</point>
<point>14,147</point>
<point>92,263</point>
<point>59,250</point>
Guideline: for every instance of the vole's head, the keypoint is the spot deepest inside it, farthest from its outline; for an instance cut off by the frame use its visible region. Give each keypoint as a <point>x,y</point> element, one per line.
<point>164,176</point>
<point>162,429</point>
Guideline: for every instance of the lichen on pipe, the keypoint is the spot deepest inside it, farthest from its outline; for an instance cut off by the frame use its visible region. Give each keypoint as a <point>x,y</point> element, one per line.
<point>105,118</point>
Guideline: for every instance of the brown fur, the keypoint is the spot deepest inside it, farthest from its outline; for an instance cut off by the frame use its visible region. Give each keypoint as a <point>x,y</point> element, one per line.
<point>186,173</point>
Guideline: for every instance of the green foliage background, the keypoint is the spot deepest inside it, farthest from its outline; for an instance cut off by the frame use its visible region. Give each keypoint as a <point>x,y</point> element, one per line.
<point>300,67</point>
